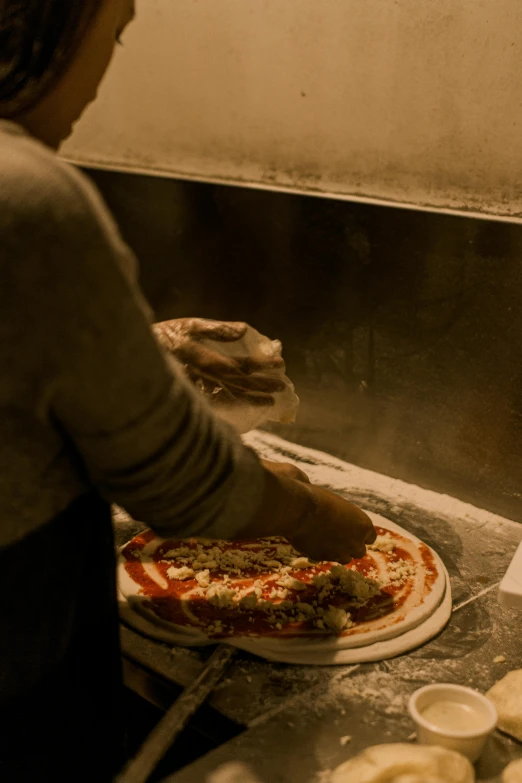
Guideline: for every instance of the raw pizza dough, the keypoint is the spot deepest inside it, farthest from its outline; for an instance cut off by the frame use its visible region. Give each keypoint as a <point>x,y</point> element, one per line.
<point>403,763</point>
<point>513,772</point>
<point>424,614</point>
<point>506,695</point>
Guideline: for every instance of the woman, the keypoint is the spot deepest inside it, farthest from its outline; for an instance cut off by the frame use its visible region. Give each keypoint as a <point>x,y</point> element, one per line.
<point>93,413</point>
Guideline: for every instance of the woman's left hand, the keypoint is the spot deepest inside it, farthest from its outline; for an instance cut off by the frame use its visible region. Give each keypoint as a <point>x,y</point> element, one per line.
<point>241,379</point>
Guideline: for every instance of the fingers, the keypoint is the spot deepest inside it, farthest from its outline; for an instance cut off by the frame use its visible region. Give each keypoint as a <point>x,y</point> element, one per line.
<point>336,531</point>
<point>254,383</point>
<point>248,365</point>
<point>223,398</point>
<point>371,535</point>
<point>223,331</point>
<point>167,337</point>
<point>366,532</point>
<point>204,359</point>
<point>225,369</point>
<point>356,551</point>
<point>219,393</point>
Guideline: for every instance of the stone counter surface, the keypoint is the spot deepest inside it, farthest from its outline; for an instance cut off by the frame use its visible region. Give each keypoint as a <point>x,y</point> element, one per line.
<point>297,716</point>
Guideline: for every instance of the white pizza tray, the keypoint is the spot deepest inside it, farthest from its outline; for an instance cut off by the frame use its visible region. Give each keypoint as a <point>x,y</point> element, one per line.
<point>510,590</point>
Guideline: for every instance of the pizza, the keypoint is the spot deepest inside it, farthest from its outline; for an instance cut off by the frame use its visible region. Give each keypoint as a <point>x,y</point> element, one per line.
<point>264,596</point>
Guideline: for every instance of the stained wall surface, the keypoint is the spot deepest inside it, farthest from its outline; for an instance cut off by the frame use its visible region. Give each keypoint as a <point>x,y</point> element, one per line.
<point>402,330</point>
<point>398,100</point>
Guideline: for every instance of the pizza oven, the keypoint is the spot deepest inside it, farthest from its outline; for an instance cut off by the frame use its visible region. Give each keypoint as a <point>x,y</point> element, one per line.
<point>344,177</point>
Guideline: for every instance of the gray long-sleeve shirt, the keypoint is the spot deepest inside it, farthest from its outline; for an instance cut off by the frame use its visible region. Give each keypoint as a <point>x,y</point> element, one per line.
<point>86,395</point>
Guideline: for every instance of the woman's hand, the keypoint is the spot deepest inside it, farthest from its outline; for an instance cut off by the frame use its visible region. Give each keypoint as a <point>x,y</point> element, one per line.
<point>334,530</point>
<point>228,380</point>
<point>317,522</point>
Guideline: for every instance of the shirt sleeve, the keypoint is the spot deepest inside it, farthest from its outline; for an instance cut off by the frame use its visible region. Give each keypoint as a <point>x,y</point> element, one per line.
<point>147,439</point>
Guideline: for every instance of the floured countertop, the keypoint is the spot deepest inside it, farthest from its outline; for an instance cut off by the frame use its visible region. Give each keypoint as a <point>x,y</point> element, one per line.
<point>304,721</point>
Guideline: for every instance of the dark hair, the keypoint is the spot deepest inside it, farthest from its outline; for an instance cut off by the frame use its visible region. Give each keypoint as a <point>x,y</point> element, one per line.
<point>38,39</point>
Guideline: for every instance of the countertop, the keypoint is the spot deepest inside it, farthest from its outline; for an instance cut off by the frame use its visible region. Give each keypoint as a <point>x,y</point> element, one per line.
<point>296,716</point>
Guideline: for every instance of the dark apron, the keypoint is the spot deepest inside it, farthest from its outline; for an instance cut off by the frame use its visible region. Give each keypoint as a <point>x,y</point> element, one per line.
<point>60,666</point>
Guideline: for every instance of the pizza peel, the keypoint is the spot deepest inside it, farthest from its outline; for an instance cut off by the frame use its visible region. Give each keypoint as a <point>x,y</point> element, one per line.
<point>139,769</point>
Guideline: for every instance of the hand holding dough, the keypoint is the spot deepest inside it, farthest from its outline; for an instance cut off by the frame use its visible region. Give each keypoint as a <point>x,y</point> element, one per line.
<point>241,373</point>
<point>506,695</point>
<point>403,763</point>
<point>260,352</point>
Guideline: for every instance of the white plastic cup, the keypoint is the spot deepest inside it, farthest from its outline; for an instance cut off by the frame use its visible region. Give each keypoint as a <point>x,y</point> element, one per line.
<point>468,742</point>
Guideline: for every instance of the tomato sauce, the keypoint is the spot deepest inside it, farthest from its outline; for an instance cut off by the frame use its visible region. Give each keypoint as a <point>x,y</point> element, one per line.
<point>180,603</point>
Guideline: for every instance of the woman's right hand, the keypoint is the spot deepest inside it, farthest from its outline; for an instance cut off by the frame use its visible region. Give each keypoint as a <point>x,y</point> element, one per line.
<point>333,529</point>
<point>317,522</point>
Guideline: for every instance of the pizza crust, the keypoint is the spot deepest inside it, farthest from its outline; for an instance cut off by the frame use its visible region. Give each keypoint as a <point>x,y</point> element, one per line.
<point>409,630</point>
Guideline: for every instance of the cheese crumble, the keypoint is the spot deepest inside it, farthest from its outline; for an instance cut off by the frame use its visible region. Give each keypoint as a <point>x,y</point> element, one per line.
<point>180,573</point>
<point>383,543</point>
<point>272,572</point>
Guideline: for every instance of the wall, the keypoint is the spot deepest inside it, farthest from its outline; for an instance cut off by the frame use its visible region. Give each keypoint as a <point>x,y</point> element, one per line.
<point>401,329</point>
<point>398,100</point>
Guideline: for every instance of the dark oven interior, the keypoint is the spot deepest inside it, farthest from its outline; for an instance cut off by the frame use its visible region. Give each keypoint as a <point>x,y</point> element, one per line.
<point>401,329</point>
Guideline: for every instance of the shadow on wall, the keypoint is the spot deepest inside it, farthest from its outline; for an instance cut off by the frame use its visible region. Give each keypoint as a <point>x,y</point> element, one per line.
<point>402,330</point>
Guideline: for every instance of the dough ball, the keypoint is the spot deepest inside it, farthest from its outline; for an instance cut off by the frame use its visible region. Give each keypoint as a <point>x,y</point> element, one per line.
<point>513,772</point>
<point>418,779</point>
<point>403,763</point>
<point>506,695</point>
<point>233,772</point>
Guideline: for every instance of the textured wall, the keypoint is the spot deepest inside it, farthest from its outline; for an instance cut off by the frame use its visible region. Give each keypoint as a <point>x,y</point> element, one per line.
<point>416,102</point>
<point>401,329</point>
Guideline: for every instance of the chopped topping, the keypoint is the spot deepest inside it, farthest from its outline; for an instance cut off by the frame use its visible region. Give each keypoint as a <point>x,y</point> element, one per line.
<point>301,562</point>
<point>353,583</point>
<point>269,558</point>
<point>258,579</point>
<point>290,583</point>
<point>305,609</point>
<point>248,601</point>
<point>350,582</point>
<point>383,543</point>
<point>336,618</point>
<point>399,570</point>
<point>179,552</point>
<point>220,595</point>
<point>180,573</point>
<point>215,627</point>
<point>203,578</point>
<point>275,593</point>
